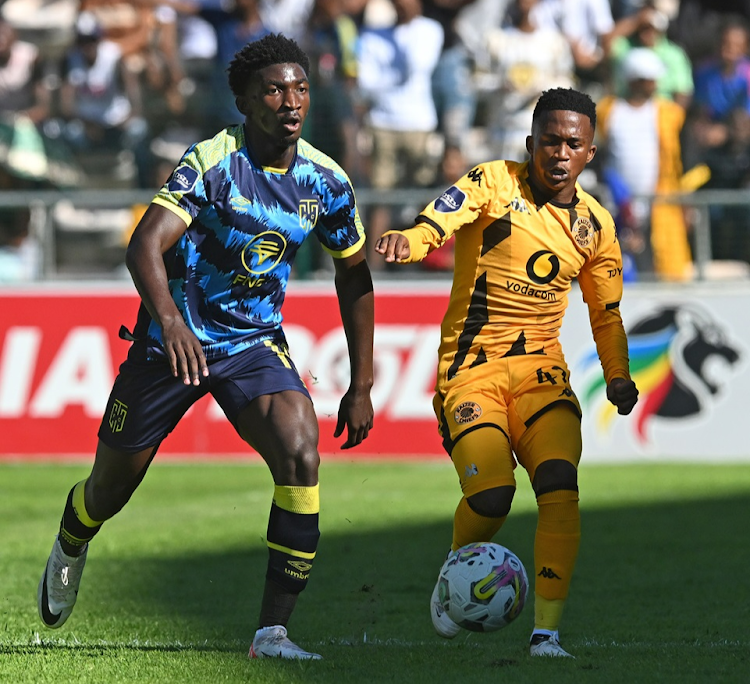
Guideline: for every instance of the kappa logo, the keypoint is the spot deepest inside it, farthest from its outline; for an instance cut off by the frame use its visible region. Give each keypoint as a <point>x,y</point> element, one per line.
<point>518,204</point>
<point>549,573</point>
<point>263,252</point>
<point>583,231</point>
<point>467,412</point>
<point>183,179</point>
<point>476,176</point>
<point>451,200</point>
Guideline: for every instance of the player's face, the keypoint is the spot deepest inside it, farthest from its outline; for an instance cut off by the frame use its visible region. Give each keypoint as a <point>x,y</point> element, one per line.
<point>560,146</point>
<point>277,103</point>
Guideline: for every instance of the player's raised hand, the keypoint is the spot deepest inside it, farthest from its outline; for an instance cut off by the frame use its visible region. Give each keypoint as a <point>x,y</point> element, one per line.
<point>184,351</point>
<point>623,394</point>
<point>394,246</point>
<point>356,414</point>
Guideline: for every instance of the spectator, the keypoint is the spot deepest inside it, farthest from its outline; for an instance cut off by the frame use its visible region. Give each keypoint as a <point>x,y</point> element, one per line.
<point>28,152</point>
<point>653,234</point>
<point>525,61</point>
<point>289,17</point>
<point>589,27</point>
<point>331,125</point>
<point>101,99</point>
<point>698,22</point>
<point>452,84</point>
<point>730,169</point>
<point>236,26</point>
<point>331,43</point>
<point>721,85</point>
<point>395,76</point>
<point>146,33</point>
<point>648,29</point>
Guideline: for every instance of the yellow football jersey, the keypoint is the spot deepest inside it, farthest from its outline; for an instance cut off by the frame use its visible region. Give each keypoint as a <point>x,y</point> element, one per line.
<point>516,257</point>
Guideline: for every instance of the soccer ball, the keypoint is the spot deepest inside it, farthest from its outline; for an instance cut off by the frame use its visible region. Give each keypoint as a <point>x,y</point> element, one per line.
<point>483,586</point>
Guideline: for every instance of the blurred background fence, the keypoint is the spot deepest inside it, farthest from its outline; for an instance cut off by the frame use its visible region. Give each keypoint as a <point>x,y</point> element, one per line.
<point>84,233</point>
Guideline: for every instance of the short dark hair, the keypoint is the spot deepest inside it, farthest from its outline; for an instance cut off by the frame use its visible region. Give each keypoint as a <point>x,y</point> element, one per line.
<point>565,99</point>
<point>274,48</point>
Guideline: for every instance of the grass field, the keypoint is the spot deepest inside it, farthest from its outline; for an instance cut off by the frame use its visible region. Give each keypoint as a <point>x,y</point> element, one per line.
<point>172,586</point>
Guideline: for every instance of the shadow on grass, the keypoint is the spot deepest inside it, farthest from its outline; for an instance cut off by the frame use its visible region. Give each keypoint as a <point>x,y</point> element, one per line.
<point>650,574</point>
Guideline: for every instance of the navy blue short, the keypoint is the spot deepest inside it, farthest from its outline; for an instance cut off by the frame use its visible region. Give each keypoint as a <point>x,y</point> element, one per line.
<point>147,401</point>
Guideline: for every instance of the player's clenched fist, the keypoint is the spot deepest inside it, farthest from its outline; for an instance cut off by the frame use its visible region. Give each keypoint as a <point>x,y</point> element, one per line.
<point>394,246</point>
<point>623,394</point>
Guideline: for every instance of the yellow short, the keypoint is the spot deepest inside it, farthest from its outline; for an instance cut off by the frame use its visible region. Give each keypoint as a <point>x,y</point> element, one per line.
<point>518,407</point>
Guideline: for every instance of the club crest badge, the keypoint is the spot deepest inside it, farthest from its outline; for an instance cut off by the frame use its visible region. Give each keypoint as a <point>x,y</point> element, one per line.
<point>583,231</point>
<point>467,412</point>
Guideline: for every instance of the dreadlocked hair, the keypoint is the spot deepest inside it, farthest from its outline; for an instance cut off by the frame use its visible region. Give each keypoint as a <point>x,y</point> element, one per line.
<point>271,49</point>
<point>565,99</point>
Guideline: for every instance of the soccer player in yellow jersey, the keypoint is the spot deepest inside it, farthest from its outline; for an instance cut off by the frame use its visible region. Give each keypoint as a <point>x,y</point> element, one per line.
<point>523,232</point>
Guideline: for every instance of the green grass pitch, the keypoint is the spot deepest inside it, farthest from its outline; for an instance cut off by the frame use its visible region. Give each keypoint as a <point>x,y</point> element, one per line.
<point>172,587</point>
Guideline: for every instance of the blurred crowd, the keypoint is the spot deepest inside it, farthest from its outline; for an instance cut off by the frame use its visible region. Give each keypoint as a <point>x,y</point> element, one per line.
<point>405,94</point>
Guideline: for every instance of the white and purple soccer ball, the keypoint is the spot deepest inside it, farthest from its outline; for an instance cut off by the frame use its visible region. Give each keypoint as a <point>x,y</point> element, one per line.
<point>483,586</point>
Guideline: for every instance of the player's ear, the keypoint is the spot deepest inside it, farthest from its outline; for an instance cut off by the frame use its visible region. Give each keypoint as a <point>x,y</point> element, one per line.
<point>242,104</point>
<point>592,152</point>
<point>530,145</point>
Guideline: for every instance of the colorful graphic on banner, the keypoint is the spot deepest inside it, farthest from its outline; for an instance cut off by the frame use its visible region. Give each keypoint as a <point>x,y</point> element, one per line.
<point>671,351</point>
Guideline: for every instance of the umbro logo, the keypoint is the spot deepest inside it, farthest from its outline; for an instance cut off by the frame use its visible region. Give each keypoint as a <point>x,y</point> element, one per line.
<point>548,573</point>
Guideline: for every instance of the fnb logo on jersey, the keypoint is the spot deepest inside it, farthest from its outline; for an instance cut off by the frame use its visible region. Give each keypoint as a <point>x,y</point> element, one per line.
<point>451,200</point>
<point>182,179</point>
<point>263,252</point>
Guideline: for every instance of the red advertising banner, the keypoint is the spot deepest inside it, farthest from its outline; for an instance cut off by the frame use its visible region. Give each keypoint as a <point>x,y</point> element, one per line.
<point>59,354</point>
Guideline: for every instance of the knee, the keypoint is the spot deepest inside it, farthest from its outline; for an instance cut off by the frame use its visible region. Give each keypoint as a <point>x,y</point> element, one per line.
<point>296,466</point>
<point>492,503</point>
<point>553,475</point>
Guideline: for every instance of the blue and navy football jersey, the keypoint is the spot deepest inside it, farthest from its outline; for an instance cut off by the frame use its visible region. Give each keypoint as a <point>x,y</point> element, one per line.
<point>229,271</point>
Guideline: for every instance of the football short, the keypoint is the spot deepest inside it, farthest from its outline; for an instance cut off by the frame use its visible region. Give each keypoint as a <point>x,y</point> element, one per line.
<point>490,418</point>
<point>147,401</point>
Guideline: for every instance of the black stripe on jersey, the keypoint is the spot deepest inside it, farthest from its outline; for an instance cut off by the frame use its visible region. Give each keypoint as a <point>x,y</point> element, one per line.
<point>612,305</point>
<point>475,320</point>
<point>518,348</point>
<point>481,358</point>
<point>426,219</point>
<point>549,407</point>
<point>573,216</point>
<point>496,232</point>
<point>595,221</point>
<point>445,431</point>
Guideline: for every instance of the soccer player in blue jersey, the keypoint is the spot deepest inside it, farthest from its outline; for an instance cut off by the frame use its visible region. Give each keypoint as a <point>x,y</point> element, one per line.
<point>211,259</point>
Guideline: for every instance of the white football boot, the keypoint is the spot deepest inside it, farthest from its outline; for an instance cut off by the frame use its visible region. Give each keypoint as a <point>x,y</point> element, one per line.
<point>441,621</point>
<point>272,642</point>
<point>58,588</point>
<point>547,645</point>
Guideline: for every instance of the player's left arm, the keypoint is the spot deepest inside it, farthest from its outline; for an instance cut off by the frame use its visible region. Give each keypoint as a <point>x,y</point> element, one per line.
<point>601,284</point>
<point>356,304</point>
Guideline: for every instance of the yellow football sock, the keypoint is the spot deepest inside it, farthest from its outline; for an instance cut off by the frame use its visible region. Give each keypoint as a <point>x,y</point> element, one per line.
<point>558,537</point>
<point>469,526</point>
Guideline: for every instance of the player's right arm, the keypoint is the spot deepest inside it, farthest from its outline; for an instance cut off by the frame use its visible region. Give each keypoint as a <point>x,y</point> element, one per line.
<point>158,231</point>
<point>460,205</point>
